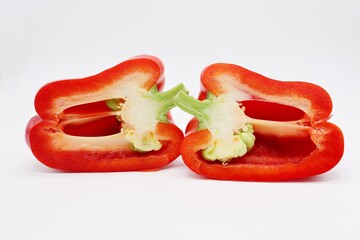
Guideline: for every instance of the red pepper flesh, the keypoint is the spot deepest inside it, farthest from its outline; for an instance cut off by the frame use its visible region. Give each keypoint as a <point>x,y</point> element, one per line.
<point>293,138</point>
<point>76,131</point>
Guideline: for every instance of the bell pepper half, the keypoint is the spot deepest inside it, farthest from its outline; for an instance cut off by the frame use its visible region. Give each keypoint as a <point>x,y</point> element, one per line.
<point>252,128</point>
<point>117,120</point>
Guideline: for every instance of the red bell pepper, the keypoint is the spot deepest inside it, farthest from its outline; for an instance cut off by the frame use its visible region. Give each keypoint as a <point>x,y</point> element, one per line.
<point>116,120</point>
<point>253,128</point>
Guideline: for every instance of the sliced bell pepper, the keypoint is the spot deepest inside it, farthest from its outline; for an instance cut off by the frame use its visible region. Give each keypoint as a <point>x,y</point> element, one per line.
<point>116,120</point>
<point>253,128</point>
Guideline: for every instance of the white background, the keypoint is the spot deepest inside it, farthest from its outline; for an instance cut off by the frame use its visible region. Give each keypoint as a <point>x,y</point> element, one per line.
<point>40,41</point>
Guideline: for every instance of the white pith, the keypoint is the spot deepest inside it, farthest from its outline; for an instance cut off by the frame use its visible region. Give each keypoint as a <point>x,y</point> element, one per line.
<point>226,118</point>
<point>139,115</point>
<point>139,112</point>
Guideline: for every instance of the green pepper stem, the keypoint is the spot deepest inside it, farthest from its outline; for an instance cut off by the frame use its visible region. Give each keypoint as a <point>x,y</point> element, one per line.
<point>165,99</point>
<point>194,107</point>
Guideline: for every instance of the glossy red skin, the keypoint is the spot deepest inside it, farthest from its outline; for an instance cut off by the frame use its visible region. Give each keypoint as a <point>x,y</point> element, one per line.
<point>43,130</point>
<point>272,158</point>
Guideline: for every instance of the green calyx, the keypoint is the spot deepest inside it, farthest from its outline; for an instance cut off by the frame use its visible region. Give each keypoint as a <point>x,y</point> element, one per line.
<point>222,116</point>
